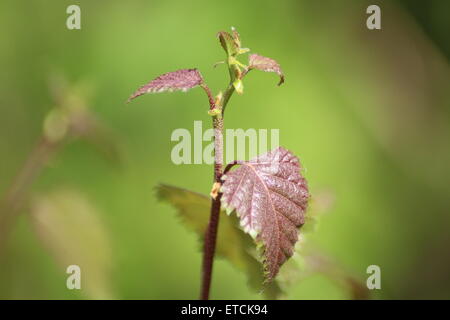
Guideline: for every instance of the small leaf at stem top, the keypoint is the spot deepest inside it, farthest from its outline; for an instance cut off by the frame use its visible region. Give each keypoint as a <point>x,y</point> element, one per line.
<point>229,43</point>
<point>238,86</point>
<point>265,64</point>
<point>183,80</point>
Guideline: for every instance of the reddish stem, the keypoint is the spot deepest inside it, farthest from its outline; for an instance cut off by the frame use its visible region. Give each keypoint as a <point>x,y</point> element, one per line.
<point>211,232</point>
<point>210,247</point>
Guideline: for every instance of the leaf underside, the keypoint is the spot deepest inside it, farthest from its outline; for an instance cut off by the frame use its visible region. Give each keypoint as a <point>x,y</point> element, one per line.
<point>265,64</point>
<point>181,80</point>
<point>270,197</point>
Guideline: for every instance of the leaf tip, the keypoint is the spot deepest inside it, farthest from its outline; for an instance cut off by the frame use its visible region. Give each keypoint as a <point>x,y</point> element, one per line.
<point>253,233</point>
<point>270,213</point>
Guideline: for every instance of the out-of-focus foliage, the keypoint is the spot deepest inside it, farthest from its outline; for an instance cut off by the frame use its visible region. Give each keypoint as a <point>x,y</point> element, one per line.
<point>70,227</point>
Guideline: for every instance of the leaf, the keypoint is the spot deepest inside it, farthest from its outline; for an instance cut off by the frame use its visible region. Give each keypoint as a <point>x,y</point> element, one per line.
<point>236,37</point>
<point>183,80</point>
<point>232,244</point>
<point>270,197</point>
<point>238,248</point>
<point>265,64</point>
<point>238,86</point>
<point>229,43</point>
<point>71,230</point>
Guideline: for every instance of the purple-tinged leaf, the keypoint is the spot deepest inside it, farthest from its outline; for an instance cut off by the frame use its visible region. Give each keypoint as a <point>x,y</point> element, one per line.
<point>265,64</point>
<point>183,80</point>
<point>236,37</point>
<point>270,197</point>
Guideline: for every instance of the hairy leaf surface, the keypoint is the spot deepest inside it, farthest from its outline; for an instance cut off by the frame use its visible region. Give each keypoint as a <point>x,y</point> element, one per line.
<point>229,43</point>
<point>265,64</point>
<point>270,197</point>
<point>183,80</point>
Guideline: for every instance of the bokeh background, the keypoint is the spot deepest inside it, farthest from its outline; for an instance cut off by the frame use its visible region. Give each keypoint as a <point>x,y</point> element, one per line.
<point>368,112</point>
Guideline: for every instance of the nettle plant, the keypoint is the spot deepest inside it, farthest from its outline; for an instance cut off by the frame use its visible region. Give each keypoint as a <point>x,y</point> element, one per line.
<point>268,194</point>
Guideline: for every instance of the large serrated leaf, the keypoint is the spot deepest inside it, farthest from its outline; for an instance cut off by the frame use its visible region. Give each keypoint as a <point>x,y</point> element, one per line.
<point>265,64</point>
<point>229,43</point>
<point>232,244</point>
<point>183,80</point>
<point>270,197</point>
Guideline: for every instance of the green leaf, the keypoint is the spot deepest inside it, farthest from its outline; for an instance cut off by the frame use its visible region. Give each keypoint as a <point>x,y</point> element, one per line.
<point>229,43</point>
<point>71,230</point>
<point>232,244</point>
<point>238,247</point>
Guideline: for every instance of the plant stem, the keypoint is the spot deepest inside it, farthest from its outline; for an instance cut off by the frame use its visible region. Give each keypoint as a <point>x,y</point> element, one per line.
<point>211,232</point>
<point>210,247</point>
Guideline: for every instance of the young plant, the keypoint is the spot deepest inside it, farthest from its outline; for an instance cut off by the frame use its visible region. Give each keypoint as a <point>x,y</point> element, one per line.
<point>268,193</point>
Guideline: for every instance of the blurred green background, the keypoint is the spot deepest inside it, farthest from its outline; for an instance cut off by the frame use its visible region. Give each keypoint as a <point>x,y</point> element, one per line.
<point>368,112</point>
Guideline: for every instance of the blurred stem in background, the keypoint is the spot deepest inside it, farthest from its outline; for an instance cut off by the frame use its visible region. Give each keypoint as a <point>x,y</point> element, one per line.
<point>17,193</point>
<point>70,119</point>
